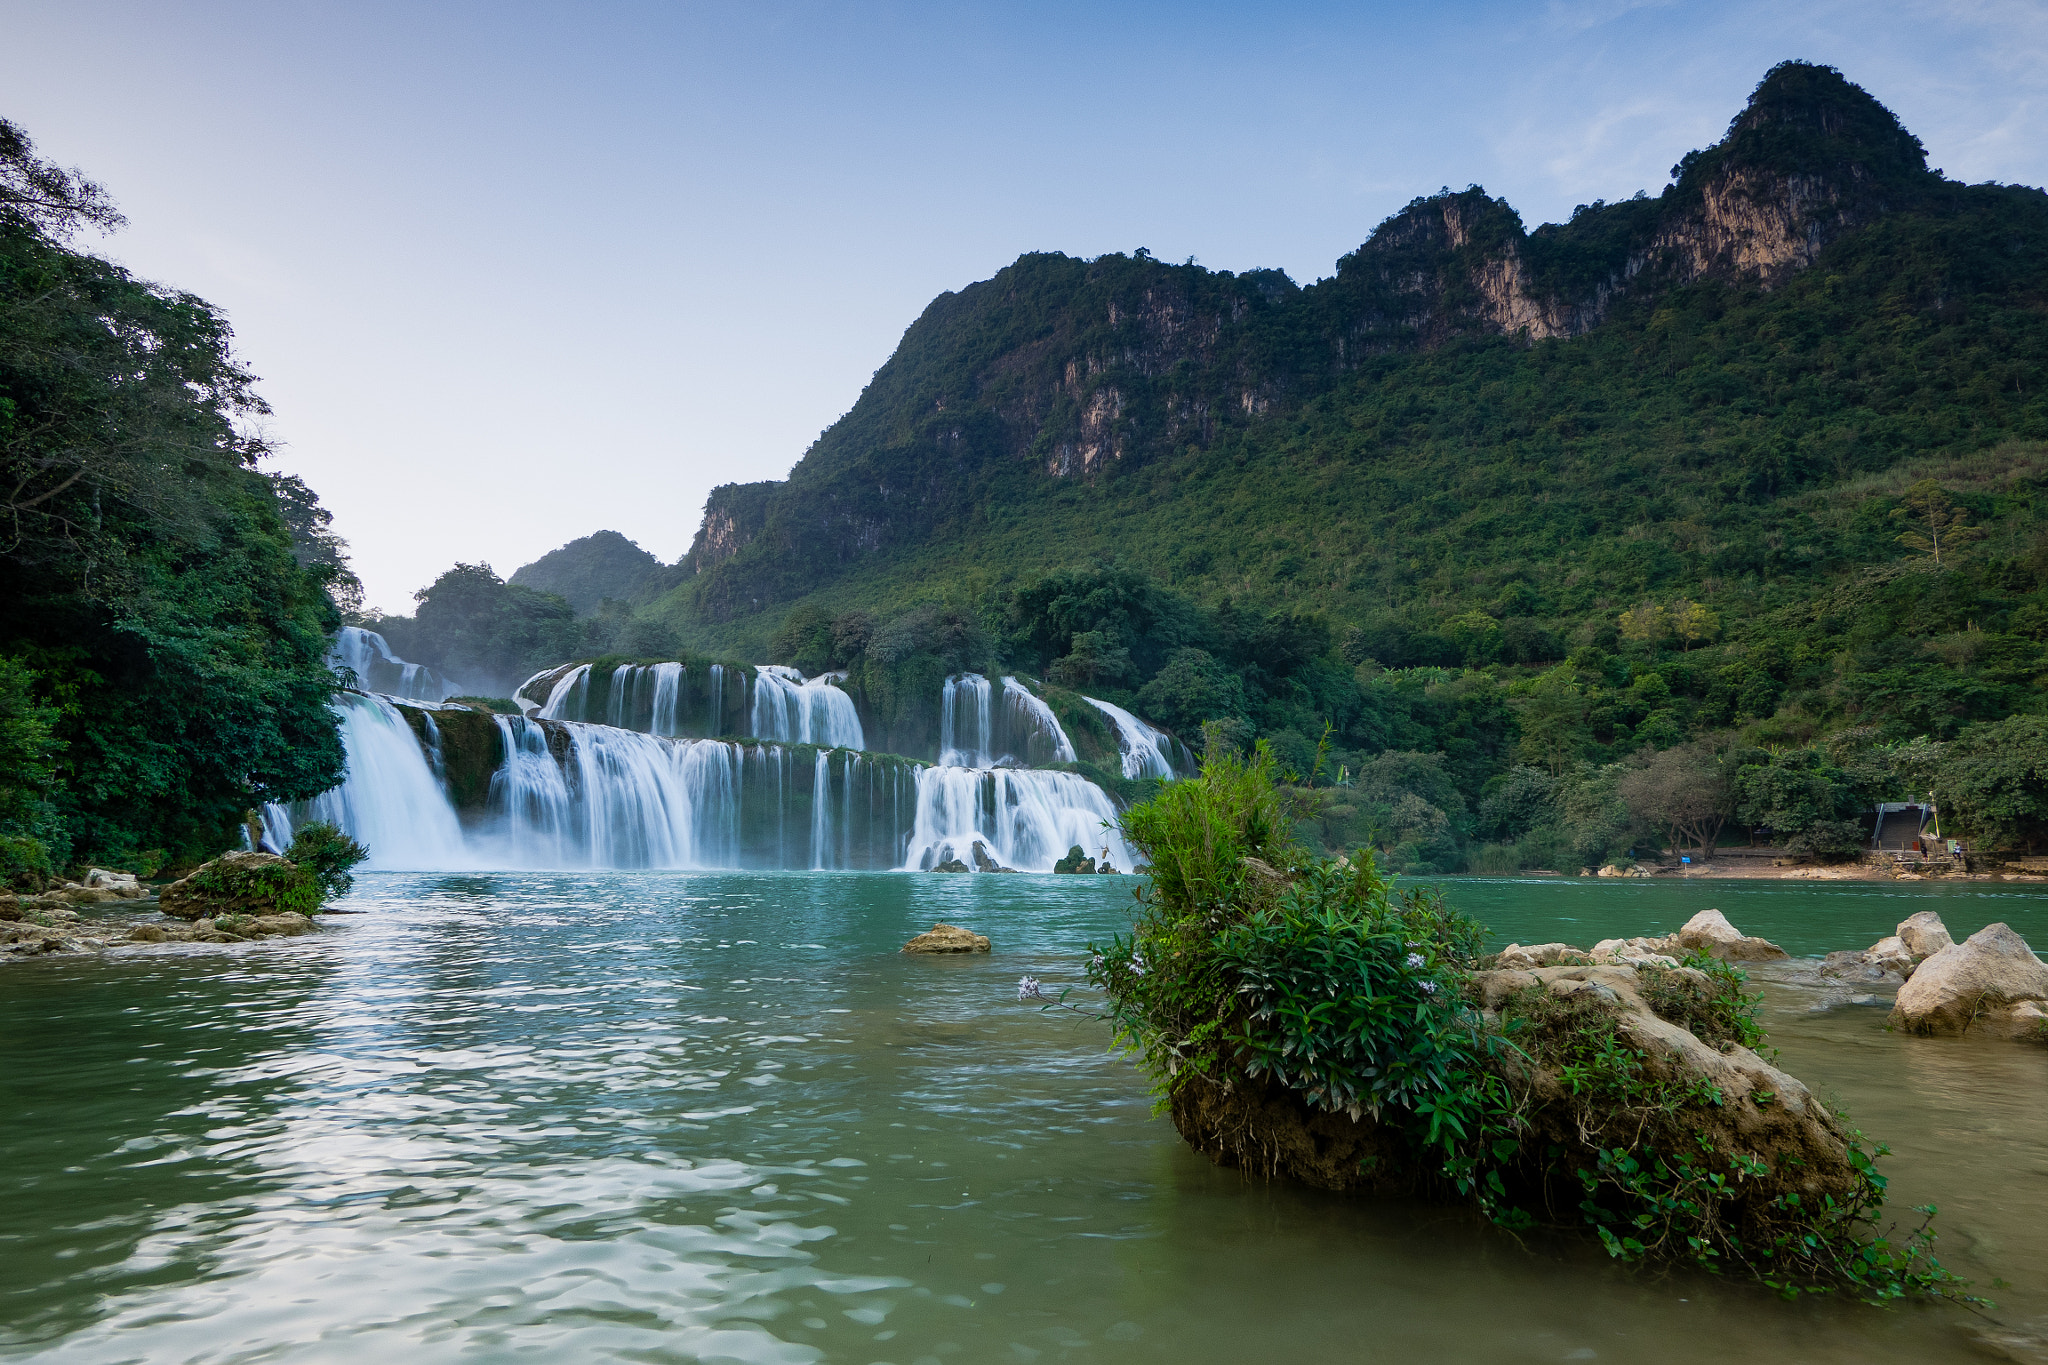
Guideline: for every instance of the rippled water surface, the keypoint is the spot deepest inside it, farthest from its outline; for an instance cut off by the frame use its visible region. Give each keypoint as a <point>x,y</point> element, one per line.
<point>667,1117</point>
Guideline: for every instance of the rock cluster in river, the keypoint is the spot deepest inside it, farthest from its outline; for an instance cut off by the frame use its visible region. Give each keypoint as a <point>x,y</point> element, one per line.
<point>1749,1108</point>
<point>1990,985</point>
<point>1709,932</point>
<point>48,931</point>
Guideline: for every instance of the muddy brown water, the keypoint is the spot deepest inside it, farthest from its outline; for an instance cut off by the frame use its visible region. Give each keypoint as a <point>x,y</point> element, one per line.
<point>670,1117</point>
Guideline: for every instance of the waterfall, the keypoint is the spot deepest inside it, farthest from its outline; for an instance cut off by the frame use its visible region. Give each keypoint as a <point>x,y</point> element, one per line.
<point>1035,733</point>
<point>1148,752</point>
<point>368,655</point>
<point>566,699</point>
<point>1023,819</point>
<point>792,711</point>
<point>670,706</point>
<point>390,800</point>
<point>570,794</point>
<point>966,729</point>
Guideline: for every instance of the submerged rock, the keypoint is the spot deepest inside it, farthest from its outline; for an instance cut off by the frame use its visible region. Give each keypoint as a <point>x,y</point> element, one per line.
<point>984,863</point>
<point>1710,932</point>
<point>1854,965</point>
<point>126,885</point>
<point>1635,952</point>
<point>1895,956</point>
<point>948,938</point>
<point>1990,984</point>
<point>242,884</point>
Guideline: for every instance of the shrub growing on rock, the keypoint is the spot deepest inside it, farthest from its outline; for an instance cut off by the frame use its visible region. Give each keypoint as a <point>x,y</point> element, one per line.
<point>328,854</point>
<point>243,884</point>
<point>1306,1018</point>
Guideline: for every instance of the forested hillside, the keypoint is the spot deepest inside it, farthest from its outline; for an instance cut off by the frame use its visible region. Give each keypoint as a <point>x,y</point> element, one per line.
<point>164,605</point>
<point>1500,506</point>
<point>1729,489</point>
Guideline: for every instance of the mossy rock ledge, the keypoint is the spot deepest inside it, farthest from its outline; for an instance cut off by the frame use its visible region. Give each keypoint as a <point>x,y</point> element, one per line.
<point>238,884</point>
<point>1719,1105</point>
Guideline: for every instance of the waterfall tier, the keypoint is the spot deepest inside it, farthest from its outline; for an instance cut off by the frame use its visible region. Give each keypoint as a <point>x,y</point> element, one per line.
<point>983,727</point>
<point>1020,818</point>
<point>1147,751</point>
<point>794,711</point>
<point>367,655</point>
<point>669,699</point>
<point>537,792</point>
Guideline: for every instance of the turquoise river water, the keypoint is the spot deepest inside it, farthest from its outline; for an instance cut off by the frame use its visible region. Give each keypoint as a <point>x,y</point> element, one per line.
<point>658,1117</point>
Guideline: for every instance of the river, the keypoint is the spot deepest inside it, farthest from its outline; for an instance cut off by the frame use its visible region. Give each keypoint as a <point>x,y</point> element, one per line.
<point>659,1117</point>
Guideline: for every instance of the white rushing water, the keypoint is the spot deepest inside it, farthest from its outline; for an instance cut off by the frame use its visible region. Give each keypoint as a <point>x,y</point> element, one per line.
<point>792,711</point>
<point>574,794</point>
<point>1147,752</point>
<point>966,723</point>
<point>391,800</point>
<point>568,694</point>
<point>368,656</point>
<point>983,727</point>
<point>1037,733</point>
<point>1022,819</point>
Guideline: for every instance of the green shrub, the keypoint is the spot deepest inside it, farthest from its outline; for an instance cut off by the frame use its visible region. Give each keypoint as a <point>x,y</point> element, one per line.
<point>1248,976</point>
<point>328,854</point>
<point>24,863</point>
<point>266,888</point>
<point>503,706</point>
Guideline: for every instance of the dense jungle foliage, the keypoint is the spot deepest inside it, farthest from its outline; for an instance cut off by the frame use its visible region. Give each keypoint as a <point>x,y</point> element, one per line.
<point>164,605</point>
<point>1254,971</point>
<point>1778,544</point>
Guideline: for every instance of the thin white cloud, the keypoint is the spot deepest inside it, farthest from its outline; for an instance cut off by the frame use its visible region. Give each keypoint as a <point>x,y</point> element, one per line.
<point>1585,14</point>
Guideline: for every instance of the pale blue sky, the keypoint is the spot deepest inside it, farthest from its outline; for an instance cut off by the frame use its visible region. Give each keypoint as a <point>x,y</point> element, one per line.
<point>515,272</point>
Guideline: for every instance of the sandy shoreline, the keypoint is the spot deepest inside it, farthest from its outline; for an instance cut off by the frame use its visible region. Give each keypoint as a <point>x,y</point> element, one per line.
<point>1760,869</point>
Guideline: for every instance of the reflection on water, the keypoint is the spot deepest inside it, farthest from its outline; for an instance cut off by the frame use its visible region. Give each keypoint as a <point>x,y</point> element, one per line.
<point>658,1117</point>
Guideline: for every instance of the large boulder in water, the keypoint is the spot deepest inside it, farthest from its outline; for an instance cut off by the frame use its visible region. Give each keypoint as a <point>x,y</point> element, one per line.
<point>1922,936</point>
<point>948,938</point>
<point>1075,861</point>
<point>1730,1106</point>
<point>1981,985</point>
<point>243,884</point>
<point>1710,932</point>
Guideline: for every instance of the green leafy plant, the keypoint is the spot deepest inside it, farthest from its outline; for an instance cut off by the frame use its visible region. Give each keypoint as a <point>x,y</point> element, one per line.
<point>1286,994</point>
<point>269,888</point>
<point>328,854</point>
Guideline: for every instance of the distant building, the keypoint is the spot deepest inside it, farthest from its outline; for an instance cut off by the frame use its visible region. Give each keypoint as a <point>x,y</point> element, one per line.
<point>1899,826</point>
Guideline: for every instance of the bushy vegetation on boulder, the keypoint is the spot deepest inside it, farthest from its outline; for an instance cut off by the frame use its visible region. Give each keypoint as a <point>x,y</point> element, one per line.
<point>1302,1017</point>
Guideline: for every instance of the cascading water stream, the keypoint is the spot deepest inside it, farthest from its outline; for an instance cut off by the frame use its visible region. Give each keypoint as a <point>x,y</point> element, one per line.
<point>789,710</point>
<point>367,655</point>
<point>1023,819</point>
<point>390,799</point>
<point>568,695</point>
<point>1147,752</point>
<point>966,723</point>
<point>668,704</point>
<point>569,793</point>
<point>1035,732</point>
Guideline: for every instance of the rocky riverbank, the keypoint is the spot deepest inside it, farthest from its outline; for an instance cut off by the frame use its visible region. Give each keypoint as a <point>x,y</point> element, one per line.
<point>237,898</point>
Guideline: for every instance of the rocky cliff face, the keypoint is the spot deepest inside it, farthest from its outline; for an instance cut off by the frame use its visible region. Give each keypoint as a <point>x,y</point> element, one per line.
<point>1061,368</point>
<point>1811,157</point>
